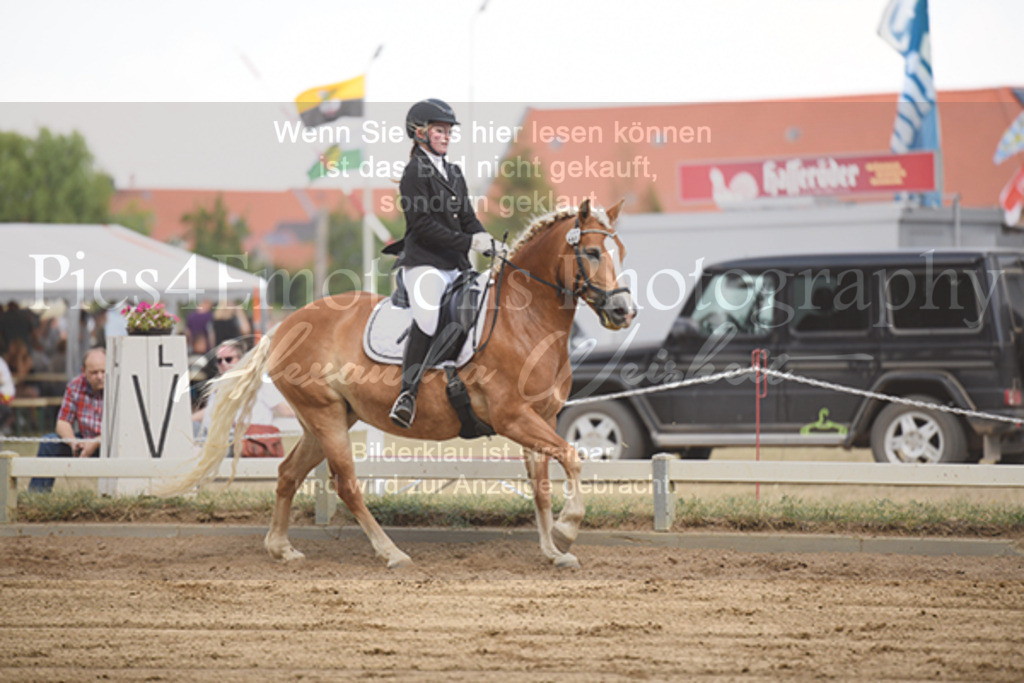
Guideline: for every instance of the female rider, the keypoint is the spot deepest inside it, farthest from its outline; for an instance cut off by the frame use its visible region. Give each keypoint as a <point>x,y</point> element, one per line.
<point>440,229</point>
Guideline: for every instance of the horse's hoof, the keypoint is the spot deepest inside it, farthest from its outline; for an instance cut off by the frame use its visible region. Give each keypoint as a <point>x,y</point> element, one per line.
<point>402,560</point>
<point>286,555</point>
<point>567,561</point>
<point>561,540</point>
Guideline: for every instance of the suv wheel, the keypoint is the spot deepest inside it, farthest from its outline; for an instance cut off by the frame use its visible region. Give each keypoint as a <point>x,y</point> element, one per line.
<point>903,433</point>
<point>603,431</point>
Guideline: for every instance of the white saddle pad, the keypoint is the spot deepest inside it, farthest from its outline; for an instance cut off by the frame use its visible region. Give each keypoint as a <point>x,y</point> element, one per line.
<point>387,324</point>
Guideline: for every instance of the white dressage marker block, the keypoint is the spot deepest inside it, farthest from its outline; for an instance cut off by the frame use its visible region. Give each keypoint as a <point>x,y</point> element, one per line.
<point>147,408</point>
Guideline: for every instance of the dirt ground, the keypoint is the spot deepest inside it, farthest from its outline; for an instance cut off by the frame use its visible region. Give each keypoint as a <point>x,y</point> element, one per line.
<point>217,608</point>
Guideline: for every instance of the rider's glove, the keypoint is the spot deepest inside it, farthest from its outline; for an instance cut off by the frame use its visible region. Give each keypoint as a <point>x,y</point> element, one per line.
<point>484,244</point>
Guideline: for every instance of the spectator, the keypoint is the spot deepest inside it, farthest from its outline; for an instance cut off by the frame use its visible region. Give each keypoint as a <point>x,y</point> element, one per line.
<point>19,364</point>
<point>199,329</point>
<point>270,403</point>
<point>7,393</point>
<point>98,324</point>
<point>16,323</point>
<point>229,322</point>
<point>116,325</point>
<point>19,361</point>
<point>80,417</point>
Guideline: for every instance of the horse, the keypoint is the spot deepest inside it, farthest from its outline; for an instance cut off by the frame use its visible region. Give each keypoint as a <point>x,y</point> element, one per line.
<point>517,382</point>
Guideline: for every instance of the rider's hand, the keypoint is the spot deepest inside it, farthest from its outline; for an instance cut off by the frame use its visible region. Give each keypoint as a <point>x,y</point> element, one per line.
<point>484,244</point>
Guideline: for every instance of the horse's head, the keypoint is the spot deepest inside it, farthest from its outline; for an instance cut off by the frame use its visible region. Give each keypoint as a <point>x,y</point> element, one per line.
<point>596,265</point>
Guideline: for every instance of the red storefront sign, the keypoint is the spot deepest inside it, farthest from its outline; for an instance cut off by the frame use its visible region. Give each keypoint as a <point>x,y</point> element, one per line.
<point>781,178</point>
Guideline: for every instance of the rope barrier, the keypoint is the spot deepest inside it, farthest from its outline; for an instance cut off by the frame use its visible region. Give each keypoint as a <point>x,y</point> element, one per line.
<point>706,379</point>
<point>893,399</point>
<point>681,384</point>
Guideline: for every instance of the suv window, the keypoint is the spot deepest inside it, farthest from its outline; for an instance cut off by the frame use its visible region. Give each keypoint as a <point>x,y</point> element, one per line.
<point>929,300</point>
<point>737,300</point>
<point>828,301</point>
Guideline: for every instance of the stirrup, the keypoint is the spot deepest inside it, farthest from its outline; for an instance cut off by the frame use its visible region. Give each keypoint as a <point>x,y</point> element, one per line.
<point>404,410</point>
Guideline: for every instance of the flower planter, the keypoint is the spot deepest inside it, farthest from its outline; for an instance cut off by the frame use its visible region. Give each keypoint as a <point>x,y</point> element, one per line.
<point>149,333</point>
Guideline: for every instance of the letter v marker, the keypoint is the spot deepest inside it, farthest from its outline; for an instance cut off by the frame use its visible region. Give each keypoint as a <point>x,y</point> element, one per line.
<point>155,451</point>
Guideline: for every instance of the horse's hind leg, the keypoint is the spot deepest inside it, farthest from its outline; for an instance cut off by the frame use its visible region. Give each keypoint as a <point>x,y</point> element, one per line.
<point>304,456</point>
<point>338,448</point>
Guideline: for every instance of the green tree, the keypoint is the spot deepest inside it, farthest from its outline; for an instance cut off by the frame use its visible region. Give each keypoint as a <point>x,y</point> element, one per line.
<point>345,245</point>
<point>135,217</point>
<point>51,179</point>
<point>214,233</point>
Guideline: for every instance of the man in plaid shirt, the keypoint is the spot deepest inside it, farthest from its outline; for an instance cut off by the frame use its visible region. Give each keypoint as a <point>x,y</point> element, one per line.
<point>80,417</point>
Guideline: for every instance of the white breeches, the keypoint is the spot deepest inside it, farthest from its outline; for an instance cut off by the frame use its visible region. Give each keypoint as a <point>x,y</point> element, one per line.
<point>425,285</point>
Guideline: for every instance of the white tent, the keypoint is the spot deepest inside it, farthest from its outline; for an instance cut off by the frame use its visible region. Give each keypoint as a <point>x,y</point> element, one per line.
<point>107,264</point>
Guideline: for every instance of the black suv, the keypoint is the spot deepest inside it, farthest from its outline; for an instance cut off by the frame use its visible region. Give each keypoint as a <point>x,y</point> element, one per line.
<point>938,327</point>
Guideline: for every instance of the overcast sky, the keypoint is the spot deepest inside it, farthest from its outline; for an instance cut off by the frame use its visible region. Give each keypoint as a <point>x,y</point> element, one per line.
<point>522,51</point>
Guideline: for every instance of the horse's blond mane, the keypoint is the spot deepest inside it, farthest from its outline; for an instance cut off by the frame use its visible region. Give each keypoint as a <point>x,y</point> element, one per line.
<point>538,224</point>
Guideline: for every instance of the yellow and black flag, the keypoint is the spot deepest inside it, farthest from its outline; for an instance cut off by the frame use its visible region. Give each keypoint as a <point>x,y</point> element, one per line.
<point>326,103</point>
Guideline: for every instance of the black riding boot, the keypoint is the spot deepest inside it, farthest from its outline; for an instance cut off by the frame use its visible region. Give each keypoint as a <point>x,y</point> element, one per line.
<point>422,352</point>
<point>413,367</point>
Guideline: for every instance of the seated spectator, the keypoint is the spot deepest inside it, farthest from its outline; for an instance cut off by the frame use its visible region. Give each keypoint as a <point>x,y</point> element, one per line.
<point>79,419</point>
<point>270,403</point>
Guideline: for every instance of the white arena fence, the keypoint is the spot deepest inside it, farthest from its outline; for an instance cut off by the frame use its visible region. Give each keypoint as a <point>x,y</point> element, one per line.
<point>660,475</point>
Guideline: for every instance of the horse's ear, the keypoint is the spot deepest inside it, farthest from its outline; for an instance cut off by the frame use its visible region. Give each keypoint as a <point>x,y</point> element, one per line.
<point>584,213</point>
<point>613,213</point>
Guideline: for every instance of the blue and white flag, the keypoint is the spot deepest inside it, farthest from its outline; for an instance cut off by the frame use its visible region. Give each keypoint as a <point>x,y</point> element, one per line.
<point>1011,142</point>
<point>905,27</point>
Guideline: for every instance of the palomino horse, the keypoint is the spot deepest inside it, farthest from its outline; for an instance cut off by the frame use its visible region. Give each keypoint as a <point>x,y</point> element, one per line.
<point>517,383</point>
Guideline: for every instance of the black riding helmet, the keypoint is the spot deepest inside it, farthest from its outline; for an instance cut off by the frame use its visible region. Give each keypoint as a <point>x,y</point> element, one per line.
<point>426,112</point>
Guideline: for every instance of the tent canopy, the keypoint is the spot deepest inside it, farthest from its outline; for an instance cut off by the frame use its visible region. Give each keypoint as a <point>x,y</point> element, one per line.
<point>108,263</point>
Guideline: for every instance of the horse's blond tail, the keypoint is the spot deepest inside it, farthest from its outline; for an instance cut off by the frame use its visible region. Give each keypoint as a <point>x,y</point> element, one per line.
<point>236,395</point>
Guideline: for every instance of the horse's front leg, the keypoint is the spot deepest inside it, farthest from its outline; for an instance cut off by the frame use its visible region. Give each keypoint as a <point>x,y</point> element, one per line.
<point>537,468</point>
<point>541,441</point>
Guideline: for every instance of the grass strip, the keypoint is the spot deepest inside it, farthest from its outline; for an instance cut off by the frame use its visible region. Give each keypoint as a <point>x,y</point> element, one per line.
<point>737,513</point>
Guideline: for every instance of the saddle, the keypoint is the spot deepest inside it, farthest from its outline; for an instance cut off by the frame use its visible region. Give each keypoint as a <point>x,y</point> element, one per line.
<point>459,331</point>
<point>389,322</point>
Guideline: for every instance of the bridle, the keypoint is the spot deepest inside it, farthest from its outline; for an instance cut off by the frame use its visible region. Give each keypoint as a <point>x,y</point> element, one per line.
<point>581,283</point>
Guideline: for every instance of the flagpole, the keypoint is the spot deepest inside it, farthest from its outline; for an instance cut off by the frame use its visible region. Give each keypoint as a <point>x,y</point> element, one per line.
<point>470,155</point>
<point>369,274</point>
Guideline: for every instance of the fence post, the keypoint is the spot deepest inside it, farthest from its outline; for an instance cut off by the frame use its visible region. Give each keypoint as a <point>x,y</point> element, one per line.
<point>8,488</point>
<point>664,492</point>
<point>325,502</point>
